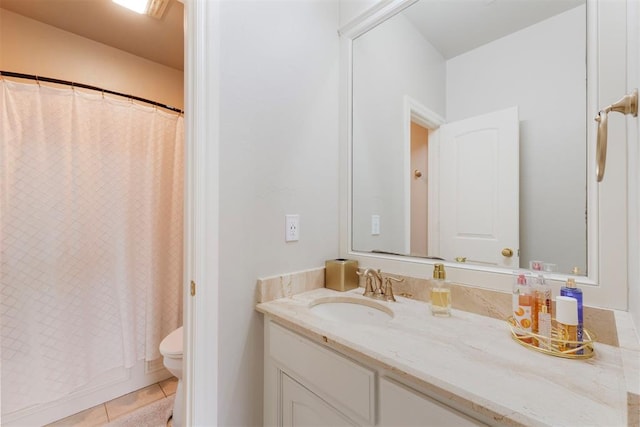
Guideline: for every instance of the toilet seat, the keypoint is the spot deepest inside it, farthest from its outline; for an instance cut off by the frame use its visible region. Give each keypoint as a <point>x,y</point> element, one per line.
<point>171,345</point>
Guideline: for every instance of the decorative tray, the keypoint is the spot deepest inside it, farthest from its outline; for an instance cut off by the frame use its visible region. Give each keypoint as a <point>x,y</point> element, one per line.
<point>554,345</point>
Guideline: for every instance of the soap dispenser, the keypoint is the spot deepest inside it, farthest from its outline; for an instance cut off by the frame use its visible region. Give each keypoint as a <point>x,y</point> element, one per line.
<point>440,293</point>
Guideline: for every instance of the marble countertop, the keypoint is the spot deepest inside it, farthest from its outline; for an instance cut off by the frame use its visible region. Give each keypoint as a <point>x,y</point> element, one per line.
<point>470,361</point>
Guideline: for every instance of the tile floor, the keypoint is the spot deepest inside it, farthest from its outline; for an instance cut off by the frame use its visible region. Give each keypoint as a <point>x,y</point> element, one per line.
<point>109,411</point>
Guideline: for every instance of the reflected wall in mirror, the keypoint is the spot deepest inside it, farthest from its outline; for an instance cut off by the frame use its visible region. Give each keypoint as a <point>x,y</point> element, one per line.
<point>471,145</point>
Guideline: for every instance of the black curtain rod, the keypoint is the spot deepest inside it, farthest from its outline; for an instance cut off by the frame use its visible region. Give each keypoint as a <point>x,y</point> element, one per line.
<point>83,86</point>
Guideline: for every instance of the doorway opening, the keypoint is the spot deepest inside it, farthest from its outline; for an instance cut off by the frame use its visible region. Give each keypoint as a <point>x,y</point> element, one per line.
<point>419,190</point>
<point>421,179</point>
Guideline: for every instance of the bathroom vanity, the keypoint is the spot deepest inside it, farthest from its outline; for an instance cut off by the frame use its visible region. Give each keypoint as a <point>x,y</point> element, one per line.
<point>416,369</point>
<point>314,385</point>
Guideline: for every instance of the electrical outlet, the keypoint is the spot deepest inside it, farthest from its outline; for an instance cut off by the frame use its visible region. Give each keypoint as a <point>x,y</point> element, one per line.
<point>375,225</point>
<point>291,228</point>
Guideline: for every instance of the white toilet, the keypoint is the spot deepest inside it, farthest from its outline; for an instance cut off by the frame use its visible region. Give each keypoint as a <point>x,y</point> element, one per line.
<point>171,350</point>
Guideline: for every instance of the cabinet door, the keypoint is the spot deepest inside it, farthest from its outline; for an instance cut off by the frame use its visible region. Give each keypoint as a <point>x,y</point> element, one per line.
<point>342,383</point>
<point>401,407</point>
<point>300,407</point>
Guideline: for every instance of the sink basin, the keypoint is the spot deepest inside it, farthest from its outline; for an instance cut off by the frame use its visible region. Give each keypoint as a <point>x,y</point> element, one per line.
<point>351,310</point>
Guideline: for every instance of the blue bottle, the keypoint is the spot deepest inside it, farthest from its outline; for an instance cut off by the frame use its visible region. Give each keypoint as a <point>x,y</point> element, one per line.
<point>570,290</point>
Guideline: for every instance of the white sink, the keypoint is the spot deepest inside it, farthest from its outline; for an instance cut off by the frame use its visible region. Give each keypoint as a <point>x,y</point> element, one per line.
<point>351,310</point>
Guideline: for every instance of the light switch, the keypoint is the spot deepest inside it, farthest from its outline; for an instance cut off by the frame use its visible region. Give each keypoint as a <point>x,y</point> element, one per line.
<point>375,225</point>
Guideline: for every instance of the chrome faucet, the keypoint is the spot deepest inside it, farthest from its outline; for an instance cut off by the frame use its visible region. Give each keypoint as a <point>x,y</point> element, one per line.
<point>378,287</point>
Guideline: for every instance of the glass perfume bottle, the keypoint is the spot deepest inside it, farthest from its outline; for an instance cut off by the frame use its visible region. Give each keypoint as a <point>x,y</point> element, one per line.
<point>523,306</point>
<point>440,293</point>
<point>544,328</point>
<point>542,293</point>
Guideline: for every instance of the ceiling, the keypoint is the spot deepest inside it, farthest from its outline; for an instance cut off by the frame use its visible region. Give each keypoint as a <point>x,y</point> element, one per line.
<point>159,41</point>
<point>457,26</point>
<point>441,22</point>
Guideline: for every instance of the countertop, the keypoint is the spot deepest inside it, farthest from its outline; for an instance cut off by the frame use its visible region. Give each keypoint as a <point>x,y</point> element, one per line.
<point>470,361</point>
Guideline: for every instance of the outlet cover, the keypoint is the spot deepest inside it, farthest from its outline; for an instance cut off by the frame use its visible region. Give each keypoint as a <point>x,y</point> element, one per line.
<point>291,228</point>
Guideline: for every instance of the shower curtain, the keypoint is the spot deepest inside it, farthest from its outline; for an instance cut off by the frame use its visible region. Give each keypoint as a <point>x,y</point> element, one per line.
<point>91,237</point>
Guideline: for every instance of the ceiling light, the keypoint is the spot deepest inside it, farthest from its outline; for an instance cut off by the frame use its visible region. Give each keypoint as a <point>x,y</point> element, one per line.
<point>138,6</point>
<point>153,8</point>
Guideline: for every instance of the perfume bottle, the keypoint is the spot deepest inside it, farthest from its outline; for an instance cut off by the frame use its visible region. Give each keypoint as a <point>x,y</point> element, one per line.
<point>544,328</point>
<point>570,290</point>
<point>542,293</point>
<point>523,302</point>
<point>440,293</point>
<point>520,279</point>
<point>567,320</point>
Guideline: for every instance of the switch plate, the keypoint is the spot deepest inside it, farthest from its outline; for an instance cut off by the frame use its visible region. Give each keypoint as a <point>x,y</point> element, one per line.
<point>375,225</point>
<point>291,228</point>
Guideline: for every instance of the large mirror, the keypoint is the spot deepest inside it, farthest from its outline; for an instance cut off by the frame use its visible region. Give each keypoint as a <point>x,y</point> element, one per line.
<point>469,134</point>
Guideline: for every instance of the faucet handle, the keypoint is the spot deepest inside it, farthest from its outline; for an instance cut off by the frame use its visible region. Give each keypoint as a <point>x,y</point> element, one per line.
<point>368,288</point>
<point>376,278</point>
<point>388,287</point>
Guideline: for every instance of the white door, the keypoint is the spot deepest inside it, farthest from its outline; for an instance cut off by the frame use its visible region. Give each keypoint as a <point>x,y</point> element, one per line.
<point>479,192</point>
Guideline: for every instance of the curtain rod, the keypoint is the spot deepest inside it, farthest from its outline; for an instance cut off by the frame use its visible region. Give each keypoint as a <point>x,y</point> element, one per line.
<point>84,86</point>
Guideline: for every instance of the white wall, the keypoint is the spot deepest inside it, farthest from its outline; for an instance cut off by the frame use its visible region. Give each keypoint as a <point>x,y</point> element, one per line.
<point>398,55</point>
<point>515,70</point>
<point>278,155</point>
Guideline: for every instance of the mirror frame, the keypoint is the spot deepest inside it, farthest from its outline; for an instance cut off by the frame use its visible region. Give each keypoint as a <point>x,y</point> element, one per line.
<point>606,283</point>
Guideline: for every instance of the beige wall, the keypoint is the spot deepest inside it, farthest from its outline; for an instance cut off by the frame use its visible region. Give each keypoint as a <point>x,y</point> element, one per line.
<point>31,47</point>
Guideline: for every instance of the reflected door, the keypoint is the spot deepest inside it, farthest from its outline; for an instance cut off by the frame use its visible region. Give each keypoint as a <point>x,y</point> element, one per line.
<point>479,196</point>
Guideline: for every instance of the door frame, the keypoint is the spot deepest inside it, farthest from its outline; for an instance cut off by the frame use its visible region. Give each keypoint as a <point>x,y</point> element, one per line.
<point>414,111</point>
<point>201,227</point>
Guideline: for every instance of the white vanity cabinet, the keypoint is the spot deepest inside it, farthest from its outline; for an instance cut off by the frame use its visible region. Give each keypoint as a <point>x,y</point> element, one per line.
<point>303,378</point>
<point>307,384</point>
<point>403,407</point>
<point>301,407</point>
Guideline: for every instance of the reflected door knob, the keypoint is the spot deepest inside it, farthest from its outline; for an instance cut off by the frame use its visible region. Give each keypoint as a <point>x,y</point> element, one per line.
<point>507,252</point>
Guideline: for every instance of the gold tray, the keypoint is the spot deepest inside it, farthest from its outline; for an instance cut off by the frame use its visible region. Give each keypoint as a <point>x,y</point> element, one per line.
<point>529,340</point>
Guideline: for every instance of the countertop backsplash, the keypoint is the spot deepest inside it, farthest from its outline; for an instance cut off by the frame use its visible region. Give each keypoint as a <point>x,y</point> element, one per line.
<point>480,301</point>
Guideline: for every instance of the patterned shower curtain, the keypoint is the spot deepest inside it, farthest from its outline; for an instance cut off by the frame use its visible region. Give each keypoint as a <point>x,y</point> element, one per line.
<point>90,237</point>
